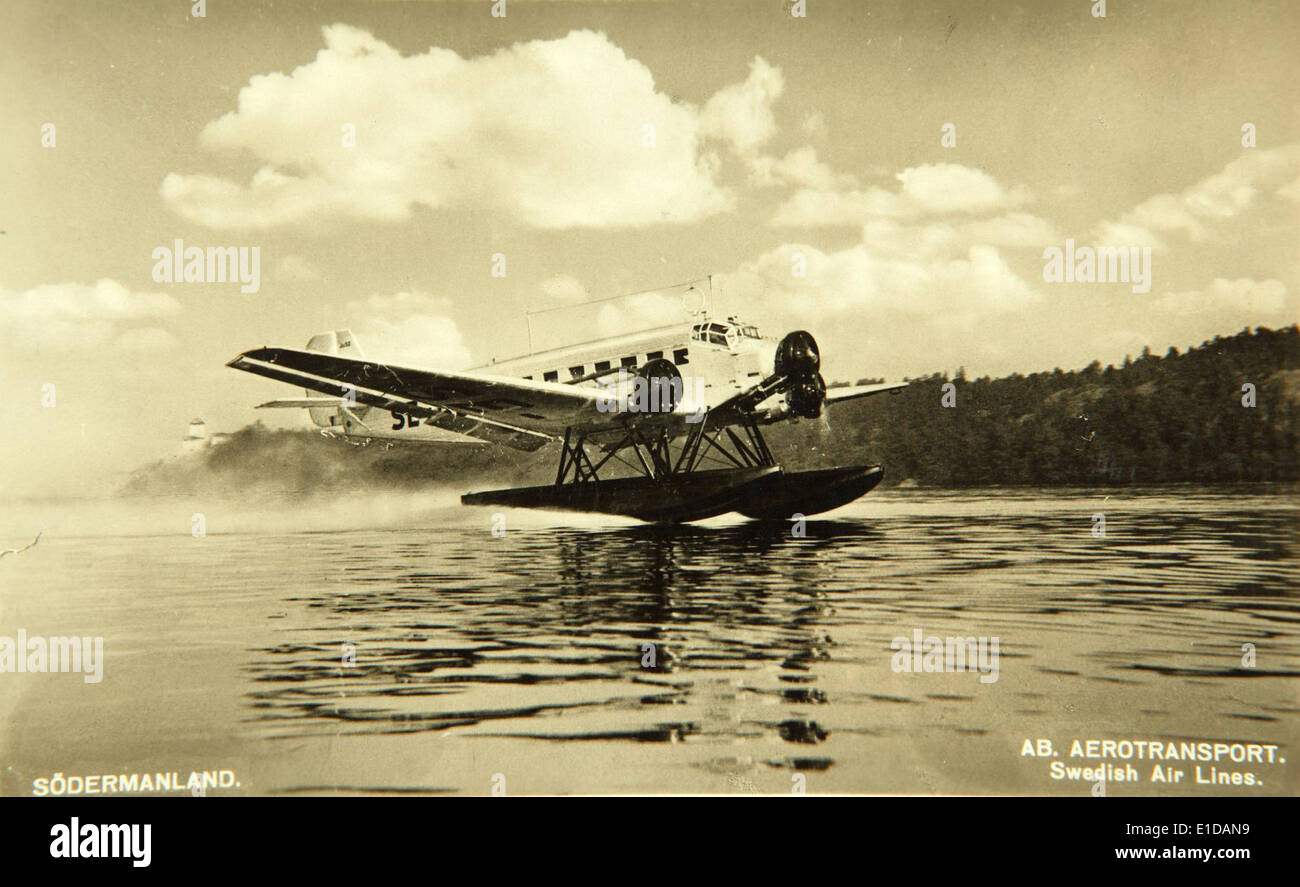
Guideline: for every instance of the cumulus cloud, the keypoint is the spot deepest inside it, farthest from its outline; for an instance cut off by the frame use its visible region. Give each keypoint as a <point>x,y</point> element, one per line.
<point>618,315</point>
<point>549,132</point>
<point>1012,229</point>
<point>821,208</point>
<point>641,311</point>
<point>74,315</point>
<point>955,297</point>
<point>410,329</point>
<point>741,114</point>
<point>931,189</point>
<point>1198,212</point>
<point>938,238</point>
<point>947,286</point>
<point>800,167</point>
<point>951,187</point>
<point>928,261</point>
<point>862,279</point>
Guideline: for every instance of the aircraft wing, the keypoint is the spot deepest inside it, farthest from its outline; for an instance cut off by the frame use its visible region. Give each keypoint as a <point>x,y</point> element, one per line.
<point>748,403</point>
<point>851,392</point>
<point>519,413</point>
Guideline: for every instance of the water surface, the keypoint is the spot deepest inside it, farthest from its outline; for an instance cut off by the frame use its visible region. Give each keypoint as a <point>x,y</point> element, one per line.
<point>519,660</point>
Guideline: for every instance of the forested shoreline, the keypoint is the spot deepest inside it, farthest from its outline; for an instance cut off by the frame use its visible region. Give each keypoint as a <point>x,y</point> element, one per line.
<point>1182,417</point>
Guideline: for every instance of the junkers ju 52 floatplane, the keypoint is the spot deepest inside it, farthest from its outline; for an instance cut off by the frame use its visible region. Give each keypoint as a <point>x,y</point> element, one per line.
<point>637,416</point>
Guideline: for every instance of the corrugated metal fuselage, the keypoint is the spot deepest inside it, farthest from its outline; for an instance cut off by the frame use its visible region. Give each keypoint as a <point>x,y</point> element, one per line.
<point>711,372</point>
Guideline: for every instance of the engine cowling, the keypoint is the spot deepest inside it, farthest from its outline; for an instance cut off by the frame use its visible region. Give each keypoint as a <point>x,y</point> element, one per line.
<point>798,355</point>
<point>656,388</point>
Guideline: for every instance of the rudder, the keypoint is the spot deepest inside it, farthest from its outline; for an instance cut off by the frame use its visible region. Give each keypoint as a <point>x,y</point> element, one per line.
<point>340,343</point>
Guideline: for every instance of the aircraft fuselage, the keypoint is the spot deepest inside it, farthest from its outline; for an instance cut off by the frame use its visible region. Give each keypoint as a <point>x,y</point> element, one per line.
<point>716,359</point>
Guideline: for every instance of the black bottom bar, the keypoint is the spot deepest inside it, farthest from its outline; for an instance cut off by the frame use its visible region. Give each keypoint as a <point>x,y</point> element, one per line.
<point>947,840</point>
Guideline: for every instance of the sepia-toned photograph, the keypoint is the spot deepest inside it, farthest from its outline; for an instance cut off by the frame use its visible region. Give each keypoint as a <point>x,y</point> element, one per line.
<point>534,397</point>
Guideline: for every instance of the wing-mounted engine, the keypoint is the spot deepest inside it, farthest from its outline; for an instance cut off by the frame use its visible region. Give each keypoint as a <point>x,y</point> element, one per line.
<point>655,388</point>
<point>798,362</point>
<point>796,378</point>
<point>659,383</point>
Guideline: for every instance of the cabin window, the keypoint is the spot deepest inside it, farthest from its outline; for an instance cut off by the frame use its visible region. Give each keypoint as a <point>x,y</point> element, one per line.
<point>529,378</point>
<point>629,361</point>
<point>655,355</point>
<point>602,366</point>
<point>679,356</point>
<point>577,372</point>
<point>552,376</point>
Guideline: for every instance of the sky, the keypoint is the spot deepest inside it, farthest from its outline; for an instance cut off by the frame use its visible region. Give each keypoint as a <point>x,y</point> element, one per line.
<point>888,176</point>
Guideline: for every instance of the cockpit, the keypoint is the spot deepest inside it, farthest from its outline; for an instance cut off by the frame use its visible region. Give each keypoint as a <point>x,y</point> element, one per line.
<point>726,334</point>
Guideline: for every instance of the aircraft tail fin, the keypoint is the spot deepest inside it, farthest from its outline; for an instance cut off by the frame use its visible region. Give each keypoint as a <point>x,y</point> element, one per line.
<point>338,342</point>
<point>342,344</point>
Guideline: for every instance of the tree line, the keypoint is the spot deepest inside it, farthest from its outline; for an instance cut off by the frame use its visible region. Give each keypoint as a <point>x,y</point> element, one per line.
<point>1224,412</point>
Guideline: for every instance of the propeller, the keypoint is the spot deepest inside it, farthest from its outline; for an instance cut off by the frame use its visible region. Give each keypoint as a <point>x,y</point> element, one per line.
<point>799,359</point>
<point>798,355</point>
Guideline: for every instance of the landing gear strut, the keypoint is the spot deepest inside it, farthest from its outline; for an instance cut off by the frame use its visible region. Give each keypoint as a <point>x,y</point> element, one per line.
<point>655,458</point>
<point>671,486</point>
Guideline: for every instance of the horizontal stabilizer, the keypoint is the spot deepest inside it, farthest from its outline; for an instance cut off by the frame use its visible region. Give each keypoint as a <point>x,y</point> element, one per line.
<point>850,392</point>
<point>304,403</point>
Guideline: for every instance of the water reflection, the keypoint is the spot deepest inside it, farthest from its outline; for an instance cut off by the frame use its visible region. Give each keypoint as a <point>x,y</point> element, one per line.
<point>765,647</point>
<point>572,610</point>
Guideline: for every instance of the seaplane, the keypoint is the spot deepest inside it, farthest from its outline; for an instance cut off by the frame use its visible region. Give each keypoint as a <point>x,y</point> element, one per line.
<point>641,419</point>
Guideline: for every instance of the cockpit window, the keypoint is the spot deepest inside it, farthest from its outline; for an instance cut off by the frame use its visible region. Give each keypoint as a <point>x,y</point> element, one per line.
<point>725,334</point>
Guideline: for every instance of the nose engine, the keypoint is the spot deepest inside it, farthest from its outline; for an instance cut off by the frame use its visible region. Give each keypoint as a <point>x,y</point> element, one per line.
<point>798,357</point>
